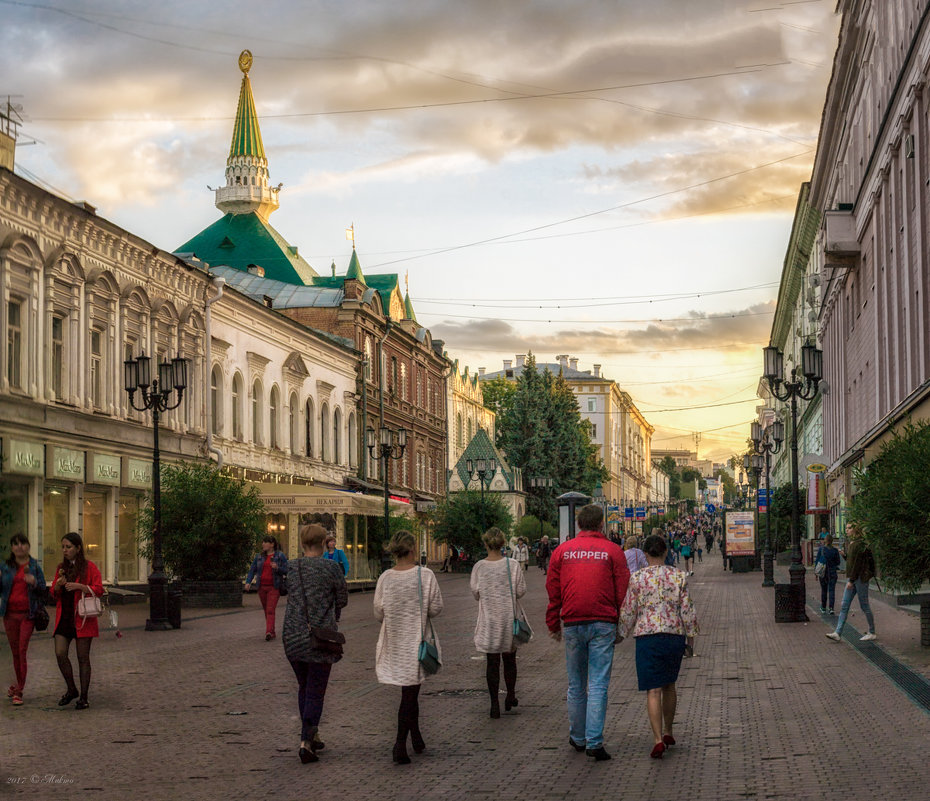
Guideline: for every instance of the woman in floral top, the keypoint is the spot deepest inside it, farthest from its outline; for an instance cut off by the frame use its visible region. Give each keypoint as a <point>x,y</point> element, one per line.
<point>658,612</point>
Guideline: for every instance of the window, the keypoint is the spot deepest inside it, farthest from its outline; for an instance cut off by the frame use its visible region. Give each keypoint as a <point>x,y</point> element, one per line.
<point>216,400</point>
<point>592,404</point>
<point>237,406</point>
<point>96,368</point>
<point>353,444</point>
<point>58,357</point>
<point>394,376</point>
<point>337,436</point>
<point>324,433</point>
<point>257,413</point>
<point>293,423</point>
<point>308,440</point>
<point>594,431</point>
<point>368,358</point>
<point>403,381</point>
<point>14,344</point>
<point>274,413</point>
<point>459,431</point>
<point>470,430</point>
<point>420,388</point>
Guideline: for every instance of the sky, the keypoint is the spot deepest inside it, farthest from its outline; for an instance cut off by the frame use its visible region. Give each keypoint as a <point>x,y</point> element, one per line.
<point>613,180</point>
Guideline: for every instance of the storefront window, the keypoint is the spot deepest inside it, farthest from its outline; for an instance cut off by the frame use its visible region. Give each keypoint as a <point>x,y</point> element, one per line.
<point>95,529</point>
<point>276,526</point>
<point>55,510</point>
<point>128,556</point>
<point>16,498</point>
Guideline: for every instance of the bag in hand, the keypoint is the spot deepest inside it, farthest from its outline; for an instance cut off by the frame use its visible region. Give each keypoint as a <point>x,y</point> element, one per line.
<point>40,618</point>
<point>90,605</point>
<point>329,641</point>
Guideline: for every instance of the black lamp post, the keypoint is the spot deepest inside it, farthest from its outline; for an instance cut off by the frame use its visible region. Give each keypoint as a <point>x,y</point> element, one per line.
<point>484,468</point>
<point>391,446</point>
<point>155,395</point>
<point>542,484</point>
<point>767,441</point>
<point>752,464</point>
<point>802,385</point>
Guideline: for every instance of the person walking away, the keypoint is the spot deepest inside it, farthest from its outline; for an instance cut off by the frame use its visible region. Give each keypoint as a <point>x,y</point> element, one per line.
<point>829,557</point>
<point>498,583</point>
<point>407,597</point>
<point>269,569</point>
<point>687,552</point>
<point>316,595</point>
<point>75,577</point>
<point>522,553</point>
<point>658,612</point>
<point>22,595</point>
<point>635,558</point>
<point>335,554</point>
<point>586,585</point>
<point>542,555</point>
<point>860,568</point>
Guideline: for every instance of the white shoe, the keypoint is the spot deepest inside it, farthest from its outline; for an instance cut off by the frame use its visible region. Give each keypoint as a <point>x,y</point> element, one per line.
<point>833,636</point>
<point>867,637</point>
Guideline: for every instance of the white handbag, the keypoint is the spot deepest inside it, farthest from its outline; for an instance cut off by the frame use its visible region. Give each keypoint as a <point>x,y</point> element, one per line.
<point>90,605</point>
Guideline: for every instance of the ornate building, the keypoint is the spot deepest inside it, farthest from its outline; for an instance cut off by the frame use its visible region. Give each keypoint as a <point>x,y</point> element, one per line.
<point>467,412</point>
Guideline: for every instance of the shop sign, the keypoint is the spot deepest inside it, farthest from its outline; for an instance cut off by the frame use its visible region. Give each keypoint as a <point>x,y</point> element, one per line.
<point>104,469</point>
<point>426,506</point>
<point>137,473</point>
<point>24,458</point>
<point>64,463</point>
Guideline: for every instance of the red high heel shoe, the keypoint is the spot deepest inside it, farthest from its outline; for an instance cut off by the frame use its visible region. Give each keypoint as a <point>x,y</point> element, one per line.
<point>657,750</point>
<point>668,739</point>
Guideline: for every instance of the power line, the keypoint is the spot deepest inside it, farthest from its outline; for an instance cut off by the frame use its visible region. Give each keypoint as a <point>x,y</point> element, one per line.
<point>443,315</point>
<point>691,408</point>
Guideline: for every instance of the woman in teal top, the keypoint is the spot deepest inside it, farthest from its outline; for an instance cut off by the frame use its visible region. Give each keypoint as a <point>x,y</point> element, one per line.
<point>336,554</point>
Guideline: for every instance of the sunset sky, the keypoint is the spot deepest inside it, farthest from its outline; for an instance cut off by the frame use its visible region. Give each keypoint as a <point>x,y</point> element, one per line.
<point>610,180</point>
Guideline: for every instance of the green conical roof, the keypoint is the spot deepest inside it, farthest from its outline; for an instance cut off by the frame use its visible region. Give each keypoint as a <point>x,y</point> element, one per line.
<point>408,308</point>
<point>246,138</point>
<point>355,269</point>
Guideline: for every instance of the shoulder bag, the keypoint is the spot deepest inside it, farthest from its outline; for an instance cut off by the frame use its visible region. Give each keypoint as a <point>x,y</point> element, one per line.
<point>282,580</point>
<point>820,565</point>
<point>329,641</point>
<point>521,629</point>
<point>428,654</point>
<point>40,617</point>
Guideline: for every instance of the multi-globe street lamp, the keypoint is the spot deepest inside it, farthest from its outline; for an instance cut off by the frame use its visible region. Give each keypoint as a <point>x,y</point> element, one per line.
<point>767,441</point>
<point>389,444</point>
<point>156,396</point>
<point>485,468</point>
<point>803,384</point>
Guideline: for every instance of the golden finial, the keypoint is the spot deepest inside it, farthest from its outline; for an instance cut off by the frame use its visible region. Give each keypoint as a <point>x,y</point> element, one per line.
<point>245,61</point>
<point>407,281</point>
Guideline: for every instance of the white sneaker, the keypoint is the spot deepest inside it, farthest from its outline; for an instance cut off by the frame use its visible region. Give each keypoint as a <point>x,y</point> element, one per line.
<point>833,636</point>
<point>867,637</point>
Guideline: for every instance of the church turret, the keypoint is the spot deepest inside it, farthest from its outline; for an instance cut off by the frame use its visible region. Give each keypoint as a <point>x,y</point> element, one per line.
<point>247,185</point>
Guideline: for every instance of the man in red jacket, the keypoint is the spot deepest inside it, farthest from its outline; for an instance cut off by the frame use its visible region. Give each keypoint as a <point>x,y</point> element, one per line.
<point>587,581</point>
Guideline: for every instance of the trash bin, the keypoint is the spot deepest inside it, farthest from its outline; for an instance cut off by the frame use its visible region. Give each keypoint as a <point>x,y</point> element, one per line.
<point>174,605</point>
<point>789,600</point>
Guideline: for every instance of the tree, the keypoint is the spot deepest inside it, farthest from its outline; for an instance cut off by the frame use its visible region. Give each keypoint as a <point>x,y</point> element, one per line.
<point>461,518</point>
<point>210,523</point>
<point>781,516</point>
<point>670,468</point>
<point>730,492</point>
<point>528,528</point>
<point>892,506</point>
<point>498,396</point>
<point>689,474</point>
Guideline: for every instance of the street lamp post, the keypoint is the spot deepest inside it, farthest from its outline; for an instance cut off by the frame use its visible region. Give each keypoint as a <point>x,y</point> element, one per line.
<point>767,441</point>
<point>391,446</point>
<point>752,464</point>
<point>541,483</point>
<point>803,385</point>
<point>156,396</point>
<point>484,468</point>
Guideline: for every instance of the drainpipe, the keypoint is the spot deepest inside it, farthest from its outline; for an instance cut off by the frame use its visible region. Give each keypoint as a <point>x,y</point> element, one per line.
<point>219,283</point>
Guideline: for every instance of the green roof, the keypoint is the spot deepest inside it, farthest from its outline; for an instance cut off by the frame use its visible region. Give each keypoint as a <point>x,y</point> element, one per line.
<point>246,138</point>
<point>408,308</point>
<point>355,269</point>
<point>384,284</point>
<point>238,240</point>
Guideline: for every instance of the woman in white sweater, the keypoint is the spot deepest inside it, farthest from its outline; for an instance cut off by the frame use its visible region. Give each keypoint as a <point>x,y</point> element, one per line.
<point>497,607</point>
<point>406,597</point>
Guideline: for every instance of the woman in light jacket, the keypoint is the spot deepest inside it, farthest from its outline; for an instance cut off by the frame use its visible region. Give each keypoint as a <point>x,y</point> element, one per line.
<point>22,592</point>
<point>269,569</point>
<point>497,607</point>
<point>75,576</point>
<point>406,598</point>
<point>316,593</point>
<point>657,610</point>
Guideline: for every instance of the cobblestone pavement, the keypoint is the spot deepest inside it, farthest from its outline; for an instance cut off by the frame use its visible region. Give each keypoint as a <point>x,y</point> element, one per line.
<point>767,711</point>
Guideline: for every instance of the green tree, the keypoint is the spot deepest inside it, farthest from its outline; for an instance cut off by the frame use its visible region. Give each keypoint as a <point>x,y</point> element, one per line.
<point>689,474</point>
<point>210,523</point>
<point>892,506</point>
<point>668,466</point>
<point>528,528</point>
<point>498,396</point>
<point>730,492</point>
<point>781,516</point>
<point>461,518</point>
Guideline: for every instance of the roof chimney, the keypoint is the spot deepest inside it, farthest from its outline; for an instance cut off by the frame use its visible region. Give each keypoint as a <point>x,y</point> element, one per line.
<point>597,371</point>
<point>521,359</point>
<point>480,371</point>
<point>563,361</point>
<point>508,363</point>
<point>255,269</point>
<point>573,363</point>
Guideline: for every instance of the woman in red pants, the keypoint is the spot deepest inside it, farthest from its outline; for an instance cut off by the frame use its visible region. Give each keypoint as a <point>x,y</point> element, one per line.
<point>22,592</point>
<point>269,569</point>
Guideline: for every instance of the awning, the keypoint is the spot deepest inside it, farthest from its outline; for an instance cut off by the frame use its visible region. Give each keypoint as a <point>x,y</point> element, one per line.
<point>284,498</point>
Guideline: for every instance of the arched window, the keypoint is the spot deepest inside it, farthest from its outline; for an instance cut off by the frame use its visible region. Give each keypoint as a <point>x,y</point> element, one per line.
<point>257,412</point>
<point>404,392</point>
<point>337,436</point>
<point>353,444</point>
<point>324,433</point>
<point>394,389</point>
<point>293,418</point>
<point>459,431</point>
<point>308,419</point>
<point>216,400</point>
<point>470,431</point>
<point>237,406</point>
<point>368,358</point>
<point>274,415</point>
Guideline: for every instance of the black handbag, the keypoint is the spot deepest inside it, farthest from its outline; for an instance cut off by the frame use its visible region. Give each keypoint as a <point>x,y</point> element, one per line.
<point>428,653</point>
<point>329,641</point>
<point>40,618</point>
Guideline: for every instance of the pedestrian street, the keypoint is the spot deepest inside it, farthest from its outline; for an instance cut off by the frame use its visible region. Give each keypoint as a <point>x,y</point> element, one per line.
<point>766,710</point>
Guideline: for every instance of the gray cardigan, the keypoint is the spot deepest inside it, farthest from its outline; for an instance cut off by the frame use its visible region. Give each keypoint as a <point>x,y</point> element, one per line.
<point>324,594</point>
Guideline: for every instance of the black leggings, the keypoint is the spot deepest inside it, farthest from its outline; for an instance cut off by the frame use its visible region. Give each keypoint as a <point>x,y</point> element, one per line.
<point>82,647</point>
<point>493,674</point>
<point>408,715</point>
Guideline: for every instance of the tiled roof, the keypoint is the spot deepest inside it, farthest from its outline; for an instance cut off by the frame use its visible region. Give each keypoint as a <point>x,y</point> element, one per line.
<point>283,295</point>
<point>552,367</point>
<point>481,447</point>
<point>246,138</point>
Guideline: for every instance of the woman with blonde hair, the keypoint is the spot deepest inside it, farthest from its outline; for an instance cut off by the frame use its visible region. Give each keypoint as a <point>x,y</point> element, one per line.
<point>407,597</point>
<point>497,582</point>
<point>316,594</point>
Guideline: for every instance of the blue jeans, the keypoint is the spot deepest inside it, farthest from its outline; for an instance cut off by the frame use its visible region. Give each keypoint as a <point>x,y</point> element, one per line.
<point>860,588</point>
<point>589,656</point>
